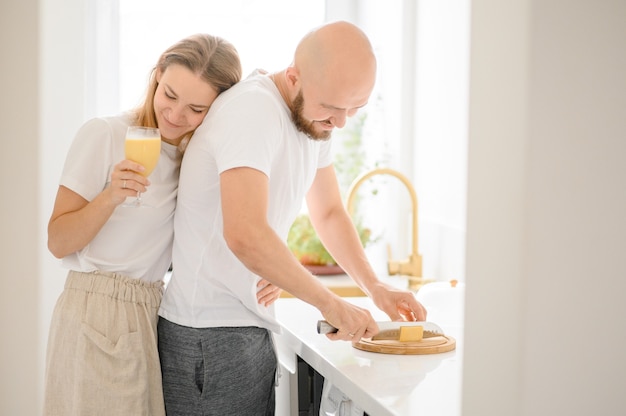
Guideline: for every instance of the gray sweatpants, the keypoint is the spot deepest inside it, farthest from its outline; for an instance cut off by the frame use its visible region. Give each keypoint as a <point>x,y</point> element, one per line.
<point>217,371</point>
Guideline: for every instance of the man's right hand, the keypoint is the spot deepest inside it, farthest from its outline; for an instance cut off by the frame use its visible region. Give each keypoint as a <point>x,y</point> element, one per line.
<point>352,322</point>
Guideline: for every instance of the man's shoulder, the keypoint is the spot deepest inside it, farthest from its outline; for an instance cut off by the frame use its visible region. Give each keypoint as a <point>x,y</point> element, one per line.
<point>251,94</point>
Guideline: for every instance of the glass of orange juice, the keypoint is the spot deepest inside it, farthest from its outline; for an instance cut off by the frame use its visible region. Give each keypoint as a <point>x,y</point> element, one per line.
<point>143,145</point>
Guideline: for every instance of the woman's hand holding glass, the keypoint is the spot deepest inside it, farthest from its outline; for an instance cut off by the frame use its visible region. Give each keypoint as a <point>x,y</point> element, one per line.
<point>126,181</point>
<point>142,146</point>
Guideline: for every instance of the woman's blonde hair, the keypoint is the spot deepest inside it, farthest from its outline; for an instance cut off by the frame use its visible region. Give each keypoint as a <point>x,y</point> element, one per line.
<point>214,59</point>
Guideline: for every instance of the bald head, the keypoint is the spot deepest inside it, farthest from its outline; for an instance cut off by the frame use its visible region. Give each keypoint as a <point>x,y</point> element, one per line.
<point>339,53</point>
<point>332,76</point>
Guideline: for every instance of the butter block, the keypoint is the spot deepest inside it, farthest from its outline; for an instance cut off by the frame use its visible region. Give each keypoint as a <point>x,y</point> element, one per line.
<point>411,333</point>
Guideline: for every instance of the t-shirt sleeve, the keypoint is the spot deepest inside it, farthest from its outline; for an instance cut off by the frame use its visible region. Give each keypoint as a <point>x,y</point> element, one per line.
<point>88,166</point>
<point>245,133</point>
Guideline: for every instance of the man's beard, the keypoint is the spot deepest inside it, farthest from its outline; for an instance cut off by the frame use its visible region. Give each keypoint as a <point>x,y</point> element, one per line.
<point>304,125</point>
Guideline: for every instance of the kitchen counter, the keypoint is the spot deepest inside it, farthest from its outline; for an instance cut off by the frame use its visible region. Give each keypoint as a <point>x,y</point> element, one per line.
<point>381,384</point>
<point>340,284</point>
<point>343,285</point>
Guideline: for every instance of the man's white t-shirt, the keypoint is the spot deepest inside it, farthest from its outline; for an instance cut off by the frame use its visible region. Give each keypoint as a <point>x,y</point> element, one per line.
<point>135,242</point>
<point>249,125</point>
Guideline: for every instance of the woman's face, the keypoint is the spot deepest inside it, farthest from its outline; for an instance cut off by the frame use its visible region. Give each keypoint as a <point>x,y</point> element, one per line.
<point>181,101</point>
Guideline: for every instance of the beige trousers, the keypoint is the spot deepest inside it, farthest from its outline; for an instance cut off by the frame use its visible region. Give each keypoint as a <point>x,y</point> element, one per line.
<point>102,356</point>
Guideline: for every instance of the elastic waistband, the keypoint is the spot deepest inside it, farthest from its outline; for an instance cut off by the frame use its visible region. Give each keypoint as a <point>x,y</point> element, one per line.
<point>116,286</point>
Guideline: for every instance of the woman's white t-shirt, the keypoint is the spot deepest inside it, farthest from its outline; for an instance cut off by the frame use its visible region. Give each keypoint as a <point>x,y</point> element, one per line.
<point>135,242</point>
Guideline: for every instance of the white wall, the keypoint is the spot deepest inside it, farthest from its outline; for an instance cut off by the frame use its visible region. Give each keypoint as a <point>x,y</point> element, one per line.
<point>41,106</point>
<point>19,170</point>
<point>546,209</point>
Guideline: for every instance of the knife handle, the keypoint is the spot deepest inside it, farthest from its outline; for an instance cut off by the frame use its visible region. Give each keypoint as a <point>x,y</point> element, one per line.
<point>323,327</point>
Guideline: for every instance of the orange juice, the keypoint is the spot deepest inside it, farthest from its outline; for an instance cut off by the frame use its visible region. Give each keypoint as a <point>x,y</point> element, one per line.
<point>145,151</point>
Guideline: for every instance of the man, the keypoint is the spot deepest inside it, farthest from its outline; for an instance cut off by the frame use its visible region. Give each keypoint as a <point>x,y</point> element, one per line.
<point>262,148</point>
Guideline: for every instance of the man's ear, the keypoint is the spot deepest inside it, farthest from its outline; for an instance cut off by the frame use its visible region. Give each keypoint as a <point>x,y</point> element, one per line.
<point>292,76</point>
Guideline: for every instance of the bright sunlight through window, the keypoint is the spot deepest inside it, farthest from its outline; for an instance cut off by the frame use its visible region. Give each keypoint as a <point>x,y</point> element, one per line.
<point>264,32</point>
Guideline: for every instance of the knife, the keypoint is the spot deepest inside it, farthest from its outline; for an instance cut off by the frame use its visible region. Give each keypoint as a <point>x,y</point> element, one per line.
<point>389,330</point>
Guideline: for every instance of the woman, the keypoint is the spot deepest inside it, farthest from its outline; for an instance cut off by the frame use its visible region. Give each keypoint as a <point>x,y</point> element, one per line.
<point>102,353</point>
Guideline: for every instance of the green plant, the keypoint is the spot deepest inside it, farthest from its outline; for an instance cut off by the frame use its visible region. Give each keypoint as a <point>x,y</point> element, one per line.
<point>307,247</point>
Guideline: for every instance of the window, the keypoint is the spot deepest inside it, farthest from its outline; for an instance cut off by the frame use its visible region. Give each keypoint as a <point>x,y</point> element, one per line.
<point>416,117</point>
<point>264,32</point>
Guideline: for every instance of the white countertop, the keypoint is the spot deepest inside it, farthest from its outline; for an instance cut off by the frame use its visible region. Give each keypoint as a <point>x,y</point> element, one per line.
<point>382,384</point>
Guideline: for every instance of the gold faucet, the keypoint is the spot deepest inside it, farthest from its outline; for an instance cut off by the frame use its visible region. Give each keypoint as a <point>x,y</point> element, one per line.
<point>411,267</point>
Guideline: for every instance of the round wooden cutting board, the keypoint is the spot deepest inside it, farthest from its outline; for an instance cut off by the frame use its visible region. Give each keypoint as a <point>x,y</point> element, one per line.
<point>434,345</point>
